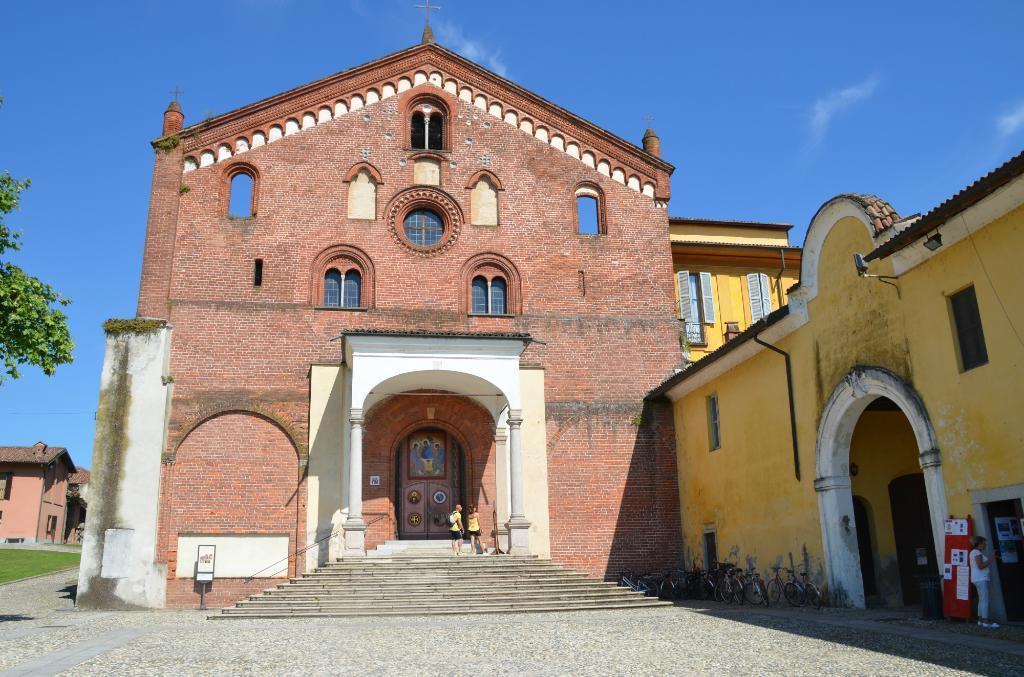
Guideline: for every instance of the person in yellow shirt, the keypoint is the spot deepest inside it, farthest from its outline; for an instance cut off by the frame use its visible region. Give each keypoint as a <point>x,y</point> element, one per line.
<point>474,531</point>
<point>455,529</point>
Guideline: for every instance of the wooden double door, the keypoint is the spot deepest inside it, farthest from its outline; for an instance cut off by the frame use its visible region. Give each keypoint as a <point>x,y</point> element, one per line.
<point>429,483</point>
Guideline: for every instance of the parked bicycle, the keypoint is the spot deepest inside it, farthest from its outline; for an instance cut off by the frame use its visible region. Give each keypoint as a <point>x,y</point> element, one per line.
<point>797,591</point>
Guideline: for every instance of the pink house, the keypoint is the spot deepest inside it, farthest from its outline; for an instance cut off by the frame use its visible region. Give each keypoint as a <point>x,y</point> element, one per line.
<point>33,493</point>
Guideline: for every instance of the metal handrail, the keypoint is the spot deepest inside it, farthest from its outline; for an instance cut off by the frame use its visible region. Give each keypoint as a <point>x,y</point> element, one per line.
<point>288,558</point>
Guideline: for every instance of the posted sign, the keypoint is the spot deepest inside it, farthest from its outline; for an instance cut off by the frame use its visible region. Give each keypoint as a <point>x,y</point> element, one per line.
<point>205,560</point>
<point>956,602</point>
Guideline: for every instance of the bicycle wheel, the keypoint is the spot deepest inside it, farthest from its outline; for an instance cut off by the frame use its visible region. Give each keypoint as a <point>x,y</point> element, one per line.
<point>754,592</point>
<point>774,592</point>
<point>739,587</point>
<point>812,596</point>
<point>793,594</point>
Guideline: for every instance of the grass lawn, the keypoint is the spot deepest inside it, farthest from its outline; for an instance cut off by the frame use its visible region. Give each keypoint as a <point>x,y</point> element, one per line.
<point>16,563</point>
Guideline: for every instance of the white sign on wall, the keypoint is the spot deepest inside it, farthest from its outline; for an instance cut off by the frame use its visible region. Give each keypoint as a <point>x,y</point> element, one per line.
<point>374,480</point>
<point>205,560</point>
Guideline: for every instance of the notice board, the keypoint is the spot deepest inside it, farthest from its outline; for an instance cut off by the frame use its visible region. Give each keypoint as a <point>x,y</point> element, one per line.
<point>956,569</point>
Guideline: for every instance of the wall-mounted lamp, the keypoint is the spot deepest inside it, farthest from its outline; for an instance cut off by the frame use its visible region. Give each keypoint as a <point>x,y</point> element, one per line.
<point>934,241</point>
<point>862,270</point>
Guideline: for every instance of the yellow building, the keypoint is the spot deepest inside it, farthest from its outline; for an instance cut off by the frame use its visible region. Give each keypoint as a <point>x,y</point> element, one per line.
<point>836,434</point>
<point>729,274</point>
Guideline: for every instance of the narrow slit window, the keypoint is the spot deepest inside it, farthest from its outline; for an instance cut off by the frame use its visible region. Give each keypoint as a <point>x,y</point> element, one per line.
<point>499,293</point>
<point>353,288</point>
<point>332,288</point>
<point>586,215</point>
<point>240,204</point>
<point>479,295</point>
<point>257,273</point>
<point>714,428</point>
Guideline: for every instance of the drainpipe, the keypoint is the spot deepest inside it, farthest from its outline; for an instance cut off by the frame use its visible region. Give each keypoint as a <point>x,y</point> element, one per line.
<point>782,255</point>
<point>792,410</point>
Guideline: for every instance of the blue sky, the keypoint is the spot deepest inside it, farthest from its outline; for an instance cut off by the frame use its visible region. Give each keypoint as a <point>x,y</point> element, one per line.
<point>766,110</point>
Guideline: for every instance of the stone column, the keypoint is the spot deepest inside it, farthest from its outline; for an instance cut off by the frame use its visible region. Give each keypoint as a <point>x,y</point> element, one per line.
<point>938,510</point>
<point>518,525</point>
<point>839,537</point>
<point>503,502</point>
<point>355,527</point>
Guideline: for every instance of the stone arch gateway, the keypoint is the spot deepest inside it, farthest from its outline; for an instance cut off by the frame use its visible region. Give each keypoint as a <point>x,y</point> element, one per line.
<point>851,397</point>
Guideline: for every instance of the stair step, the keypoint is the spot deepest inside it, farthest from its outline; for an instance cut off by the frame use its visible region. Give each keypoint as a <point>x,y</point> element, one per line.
<point>435,582</point>
<point>419,610</point>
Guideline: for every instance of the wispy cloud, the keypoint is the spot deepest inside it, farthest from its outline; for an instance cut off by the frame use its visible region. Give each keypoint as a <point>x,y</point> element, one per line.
<point>1012,122</point>
<point>836,102</point>
<point>451,36</point>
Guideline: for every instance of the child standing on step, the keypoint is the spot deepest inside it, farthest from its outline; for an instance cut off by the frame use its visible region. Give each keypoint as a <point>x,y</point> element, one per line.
<point>474,531</point>
<point>455,529</point>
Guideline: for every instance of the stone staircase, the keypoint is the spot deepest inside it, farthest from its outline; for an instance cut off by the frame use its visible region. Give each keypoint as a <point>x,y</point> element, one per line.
<point>430,580</point>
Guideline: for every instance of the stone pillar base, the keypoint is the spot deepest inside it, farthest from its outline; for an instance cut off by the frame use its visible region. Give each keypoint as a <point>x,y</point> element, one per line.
<point>355,538</point>
<point>501,537</point>
<point>519,536</point>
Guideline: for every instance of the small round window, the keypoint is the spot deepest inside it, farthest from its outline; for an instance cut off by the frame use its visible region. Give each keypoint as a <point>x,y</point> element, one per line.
<point>423,228</point>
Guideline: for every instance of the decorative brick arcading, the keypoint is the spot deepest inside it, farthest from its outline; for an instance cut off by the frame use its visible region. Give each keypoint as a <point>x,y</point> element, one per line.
<point>428,72</point>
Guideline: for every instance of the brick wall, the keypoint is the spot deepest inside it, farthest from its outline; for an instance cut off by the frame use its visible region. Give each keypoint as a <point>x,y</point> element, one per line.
<point>238,346</point>
<point>233,474</point>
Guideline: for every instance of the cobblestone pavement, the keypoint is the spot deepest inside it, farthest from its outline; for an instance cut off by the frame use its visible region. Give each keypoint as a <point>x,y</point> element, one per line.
<point>41,634</point>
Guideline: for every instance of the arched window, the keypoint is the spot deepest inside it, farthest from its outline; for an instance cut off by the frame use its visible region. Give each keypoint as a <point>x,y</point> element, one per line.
<point>241,199</point>
<point>353,283</point>
<point>499,292</point>
<point>423,228</point>
<point>332,288</point>
<point>587,215</point>
<point>479,296</point>
<point>362,196</point>
<point>427,128</point>
<point>483,202</point>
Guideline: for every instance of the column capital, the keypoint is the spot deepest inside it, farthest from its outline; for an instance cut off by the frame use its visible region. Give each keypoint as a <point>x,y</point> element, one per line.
<point>930,458</point>
<point>355,416</point>
<point>515,418</point>
<point>832,482</point>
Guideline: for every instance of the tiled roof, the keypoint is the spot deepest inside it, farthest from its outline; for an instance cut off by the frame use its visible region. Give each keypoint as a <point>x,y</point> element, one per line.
<point>967,197</point>
<point>696,221</point>
<point>880,212</point>
<point>38,453</point>
<point>437,334</point>
<point>735,245</point>
<point>80,476</point>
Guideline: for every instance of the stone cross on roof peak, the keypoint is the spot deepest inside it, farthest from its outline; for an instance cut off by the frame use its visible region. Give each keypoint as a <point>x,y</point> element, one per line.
<point>428,33</point>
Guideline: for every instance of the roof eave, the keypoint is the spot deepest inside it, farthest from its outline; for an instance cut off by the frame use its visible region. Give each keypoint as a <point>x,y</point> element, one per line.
<point>746,335</point>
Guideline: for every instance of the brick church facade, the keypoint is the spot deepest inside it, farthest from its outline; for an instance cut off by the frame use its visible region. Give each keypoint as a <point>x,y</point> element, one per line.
<point>371,297</point>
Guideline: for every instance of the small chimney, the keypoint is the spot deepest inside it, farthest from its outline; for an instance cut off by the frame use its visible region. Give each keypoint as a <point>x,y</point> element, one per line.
<point>652,144</point>
<point>174,119</point>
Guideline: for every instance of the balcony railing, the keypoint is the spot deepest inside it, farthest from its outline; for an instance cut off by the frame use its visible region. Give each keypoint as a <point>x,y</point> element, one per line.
<point>695,333</point>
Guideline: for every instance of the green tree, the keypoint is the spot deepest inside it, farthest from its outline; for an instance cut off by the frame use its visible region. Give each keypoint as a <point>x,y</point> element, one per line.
<point>32,330</point>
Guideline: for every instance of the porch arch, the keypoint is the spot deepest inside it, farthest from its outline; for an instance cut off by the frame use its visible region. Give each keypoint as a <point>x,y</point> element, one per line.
<point>860,387</point>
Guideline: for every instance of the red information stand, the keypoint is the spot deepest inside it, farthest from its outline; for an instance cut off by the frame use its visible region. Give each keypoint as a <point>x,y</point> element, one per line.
<point>956,570</point>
